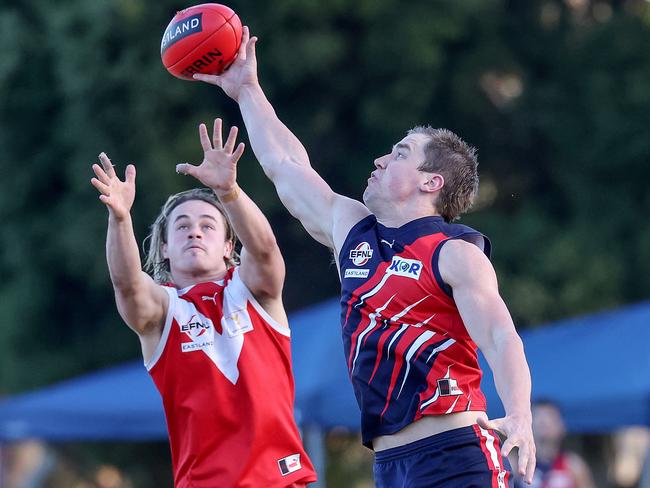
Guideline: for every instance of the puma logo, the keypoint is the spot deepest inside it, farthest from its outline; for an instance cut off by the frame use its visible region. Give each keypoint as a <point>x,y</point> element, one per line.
<point>212,298</point>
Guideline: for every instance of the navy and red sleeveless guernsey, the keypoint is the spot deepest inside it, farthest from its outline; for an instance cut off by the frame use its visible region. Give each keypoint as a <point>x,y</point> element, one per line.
<point>223,368</point>
<point>408,351</point>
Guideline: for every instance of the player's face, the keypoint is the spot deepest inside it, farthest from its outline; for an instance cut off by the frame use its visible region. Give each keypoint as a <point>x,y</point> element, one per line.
<point>196,240</point>
<point>396,177</point>
<point>547,423</point>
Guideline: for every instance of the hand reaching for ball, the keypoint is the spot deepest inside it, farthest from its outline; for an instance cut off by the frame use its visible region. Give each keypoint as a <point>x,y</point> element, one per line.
<point>116,194</point>
<point>241,74</point>
<point>219,167</point>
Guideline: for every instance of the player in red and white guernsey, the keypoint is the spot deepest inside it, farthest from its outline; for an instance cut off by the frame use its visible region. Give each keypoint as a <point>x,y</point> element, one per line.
<point>556,467</point>
<point>419,294</point>
<point>214,333</point>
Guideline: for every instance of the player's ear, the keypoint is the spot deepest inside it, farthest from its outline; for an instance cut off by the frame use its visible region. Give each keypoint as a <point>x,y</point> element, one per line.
<point>228,249</point>
<point>164,251</point>
<point>434,182</point>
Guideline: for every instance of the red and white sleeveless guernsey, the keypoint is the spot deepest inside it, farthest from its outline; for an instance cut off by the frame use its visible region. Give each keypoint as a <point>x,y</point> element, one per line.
<point>223,368</point>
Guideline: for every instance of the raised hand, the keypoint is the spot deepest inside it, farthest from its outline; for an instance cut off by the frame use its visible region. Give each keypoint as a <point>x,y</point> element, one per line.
<point>219,167</point>
<point>117,195</point>
<point>241,73</point>
<point>519,434</point>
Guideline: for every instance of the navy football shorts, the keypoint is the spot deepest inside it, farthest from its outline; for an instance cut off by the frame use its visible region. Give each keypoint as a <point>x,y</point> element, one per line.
<point>469,457</point>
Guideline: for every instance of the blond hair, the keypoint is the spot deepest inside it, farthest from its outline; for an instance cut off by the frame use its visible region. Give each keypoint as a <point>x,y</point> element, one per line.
<point>155,263</point>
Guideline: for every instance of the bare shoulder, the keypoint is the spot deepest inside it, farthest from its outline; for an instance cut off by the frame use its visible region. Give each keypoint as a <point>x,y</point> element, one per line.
<point>347,213</point>
<point>462,261</point>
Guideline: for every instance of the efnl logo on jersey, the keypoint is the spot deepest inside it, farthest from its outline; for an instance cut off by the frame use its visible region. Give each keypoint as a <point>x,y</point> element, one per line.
<point>202,334</point>
<point>409,268</point>
<point>360,255</point>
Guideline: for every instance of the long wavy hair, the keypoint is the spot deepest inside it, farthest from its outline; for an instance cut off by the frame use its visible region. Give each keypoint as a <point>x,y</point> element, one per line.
<point>155,263</point>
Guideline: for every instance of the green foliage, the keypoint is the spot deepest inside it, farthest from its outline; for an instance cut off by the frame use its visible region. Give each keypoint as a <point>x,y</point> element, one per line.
<point>555,100</point>
<point>554,97</point>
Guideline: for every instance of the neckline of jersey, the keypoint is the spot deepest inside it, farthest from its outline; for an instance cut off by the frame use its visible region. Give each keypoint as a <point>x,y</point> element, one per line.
<point>183,291</point>
<point>434,220</point>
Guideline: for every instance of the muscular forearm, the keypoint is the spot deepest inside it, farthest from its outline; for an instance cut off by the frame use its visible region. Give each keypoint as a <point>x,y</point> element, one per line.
<point>511,374</point>
<point>122,254</point>
<point>272,142</point>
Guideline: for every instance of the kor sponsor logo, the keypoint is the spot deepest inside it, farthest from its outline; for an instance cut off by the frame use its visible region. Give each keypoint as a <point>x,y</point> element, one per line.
<point>361,254</point>
<point>181,29</point>
<point>408,268</point>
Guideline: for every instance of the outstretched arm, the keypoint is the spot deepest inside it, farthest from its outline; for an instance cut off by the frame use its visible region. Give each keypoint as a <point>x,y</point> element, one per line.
<point>141,302</point>
<point>326,215</point>
<point>262,267</point>
<point>473,280</point>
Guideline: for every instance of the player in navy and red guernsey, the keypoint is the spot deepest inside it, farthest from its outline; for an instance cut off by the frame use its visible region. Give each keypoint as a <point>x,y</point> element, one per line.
<point>215,337</point>
<point>418,296</point>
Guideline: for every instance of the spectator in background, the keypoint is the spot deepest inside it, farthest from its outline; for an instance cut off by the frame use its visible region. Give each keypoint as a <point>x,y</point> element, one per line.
<point>556,467</point>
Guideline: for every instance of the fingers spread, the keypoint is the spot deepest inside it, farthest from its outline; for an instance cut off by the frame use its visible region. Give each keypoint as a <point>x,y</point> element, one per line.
<point>101,174</point>
<point>205,139</point>
<point>107,165</point>
<point>186,169</point>
<point>129,174</point>
<point>103,188</point>
<point>250,51</point>
<point>241,53</point>
<point>238,152</point>
<point>507,447</point>
<point>530,469</point>
<point>216,134</point>
<point>230,142</point>
<point>212,79</point>
<point>487,424</point>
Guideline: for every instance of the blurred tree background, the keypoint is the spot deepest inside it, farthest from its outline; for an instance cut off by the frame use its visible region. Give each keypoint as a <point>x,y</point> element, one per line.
<point>554,93</point>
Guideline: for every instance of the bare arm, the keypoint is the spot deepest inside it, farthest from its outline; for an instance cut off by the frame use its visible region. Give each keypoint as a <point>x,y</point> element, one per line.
<point>262,267</point>
<point>327,216</point>
<point>141,302</point>
<point>473,280</point>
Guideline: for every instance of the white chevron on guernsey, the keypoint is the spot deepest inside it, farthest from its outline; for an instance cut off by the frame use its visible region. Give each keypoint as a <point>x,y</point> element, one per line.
<point>395,337</point>
<point>408,309</point>
<point>432,399</point>
<point>371,325</point>
<point>402,329</point>
<point>442,347</point>
<point>424,322</point>
<point>451,409</point>
<point>405,326</point>
<point>424,337</point>
<point>377,287</point>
